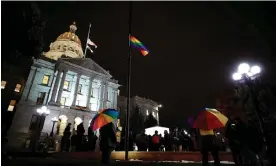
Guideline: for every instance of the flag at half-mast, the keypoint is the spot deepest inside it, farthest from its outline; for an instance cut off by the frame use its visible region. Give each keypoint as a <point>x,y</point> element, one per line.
<point>137,44</point>
<point>89,42</point>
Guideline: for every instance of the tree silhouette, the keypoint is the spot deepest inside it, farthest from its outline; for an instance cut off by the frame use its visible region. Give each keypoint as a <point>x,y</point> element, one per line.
<point>150,121</point>
<point>137,121</point>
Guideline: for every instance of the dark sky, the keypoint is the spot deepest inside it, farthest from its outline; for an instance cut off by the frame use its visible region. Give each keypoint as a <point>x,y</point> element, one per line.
<point>195,46</point>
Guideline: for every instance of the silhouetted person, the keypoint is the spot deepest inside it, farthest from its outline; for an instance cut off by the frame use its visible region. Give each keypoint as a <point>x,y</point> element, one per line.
<point>175,140</point>
<point>233,133</point>
<point>74,141</point>
<point>155,141</point>
<point>92,138</point>
<point>80,133</point>
<point>65,142</point>
<point>208,145</point>
<point>166,141</point>
<point>107,141</point>
<point>142,141</point>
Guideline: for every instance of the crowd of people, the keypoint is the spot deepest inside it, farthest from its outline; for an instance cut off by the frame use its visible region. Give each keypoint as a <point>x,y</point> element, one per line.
<point>174,141</point>
<point>243,141</point>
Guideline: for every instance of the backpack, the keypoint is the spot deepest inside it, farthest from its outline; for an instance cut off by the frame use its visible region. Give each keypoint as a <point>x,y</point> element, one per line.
<point>155,139</point>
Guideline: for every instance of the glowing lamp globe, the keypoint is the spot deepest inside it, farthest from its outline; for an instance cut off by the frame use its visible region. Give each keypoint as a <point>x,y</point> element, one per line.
<point>243,68</point>
<point>255,70</point>
<point>236,76</point>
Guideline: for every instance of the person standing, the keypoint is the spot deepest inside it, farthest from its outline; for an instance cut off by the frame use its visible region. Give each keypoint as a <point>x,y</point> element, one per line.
<point>92,138</point>
<point>142,141</point>
<point>65,143</point>
<point>80,133</point>
<point>208,145</point>
<point>107,141</point>
<point>155,141</point>
<point>167,141</point>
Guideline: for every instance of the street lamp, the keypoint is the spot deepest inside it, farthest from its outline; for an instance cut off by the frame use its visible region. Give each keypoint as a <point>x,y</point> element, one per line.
<point>43,111</point>
<point>247,74</point>
<point>54,120</point>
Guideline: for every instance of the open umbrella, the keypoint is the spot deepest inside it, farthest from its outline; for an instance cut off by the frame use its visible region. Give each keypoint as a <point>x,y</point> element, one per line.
<point>104,117</point>
<point>210,119</point>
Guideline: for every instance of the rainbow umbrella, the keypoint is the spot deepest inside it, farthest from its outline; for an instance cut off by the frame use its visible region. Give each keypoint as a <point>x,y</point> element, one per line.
<point>104,117</point>
<point>210,119</point>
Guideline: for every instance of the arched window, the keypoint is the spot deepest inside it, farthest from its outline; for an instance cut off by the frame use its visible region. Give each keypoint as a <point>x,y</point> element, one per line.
<point>77,122</point>
<point>62,123</point>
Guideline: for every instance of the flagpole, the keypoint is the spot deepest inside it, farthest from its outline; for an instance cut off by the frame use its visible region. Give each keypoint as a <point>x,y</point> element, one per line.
<point>128,85</point>
<point>87,40</point>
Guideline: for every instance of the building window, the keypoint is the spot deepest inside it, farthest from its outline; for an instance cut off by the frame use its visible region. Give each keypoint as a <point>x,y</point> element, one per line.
<point>92,92</point>
<point>93,106</point>
<point>147,112</point>
<point>63,101</point>
<point>77,122</point>
<point>78,103</point>
<point>11,106</point>
<point>34,122</point>
<point>40,98</point>
<point>17,88</point>
<point>3,84</point>
<point>153,114</point>
<point>61,125</point>
<point>118,92</point>
<point>66,85</point>
<point>107,96</point>
<point>45,80</point>
<point>79,88</point>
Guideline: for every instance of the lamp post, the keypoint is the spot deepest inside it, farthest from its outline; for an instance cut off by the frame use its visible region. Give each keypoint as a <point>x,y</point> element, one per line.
<point>246,74</point>
<point>54,120</point>
<point>43,112</point>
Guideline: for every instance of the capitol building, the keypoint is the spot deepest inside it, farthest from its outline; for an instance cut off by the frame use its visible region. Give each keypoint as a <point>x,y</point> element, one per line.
<point>71,87</point>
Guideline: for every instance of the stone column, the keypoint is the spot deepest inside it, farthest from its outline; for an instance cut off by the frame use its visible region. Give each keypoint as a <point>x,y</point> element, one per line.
<point>60,90</point>
<point>115,98</point>
<point>105,94</point>
<point>102,95</point>
<point>157,117</point>
<point>89,92</point>
<point>76,90</point>
<point>54,92</point>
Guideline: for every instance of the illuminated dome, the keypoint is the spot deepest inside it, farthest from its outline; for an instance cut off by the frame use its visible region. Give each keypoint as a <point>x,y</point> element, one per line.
<point>67,44</point>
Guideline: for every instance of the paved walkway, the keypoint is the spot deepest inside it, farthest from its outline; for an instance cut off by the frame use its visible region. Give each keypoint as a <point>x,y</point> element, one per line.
<point>34,161</point>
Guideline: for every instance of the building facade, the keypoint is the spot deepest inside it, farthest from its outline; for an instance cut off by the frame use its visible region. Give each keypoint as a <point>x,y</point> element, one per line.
<point>73,89</point>
<point>146,106</point>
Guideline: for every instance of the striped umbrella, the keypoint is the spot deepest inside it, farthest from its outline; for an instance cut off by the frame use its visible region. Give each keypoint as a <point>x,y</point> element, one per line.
<point>210,119</point>
<point>104,117</point>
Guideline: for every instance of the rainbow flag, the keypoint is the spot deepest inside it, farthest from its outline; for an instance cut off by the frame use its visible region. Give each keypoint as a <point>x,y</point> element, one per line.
<point>137,44</point>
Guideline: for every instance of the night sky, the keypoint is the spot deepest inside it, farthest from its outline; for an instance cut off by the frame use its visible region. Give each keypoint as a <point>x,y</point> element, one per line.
<point>195,46</point>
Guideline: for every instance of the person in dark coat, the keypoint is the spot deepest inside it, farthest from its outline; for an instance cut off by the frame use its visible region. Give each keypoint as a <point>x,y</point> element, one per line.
<point>92,138</point>
<point>208,145</point>
<point>74,141</point>
<point>142,141</point>
<point>233,133</point>
<point>166,141</point>
<point>107,141</point>
<point>66,138</point>
<point>80,133</point>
